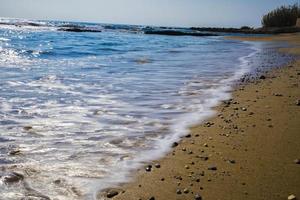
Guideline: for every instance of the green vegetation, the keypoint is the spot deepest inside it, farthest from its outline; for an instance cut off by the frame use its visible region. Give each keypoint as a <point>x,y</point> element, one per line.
<point>282,17</point>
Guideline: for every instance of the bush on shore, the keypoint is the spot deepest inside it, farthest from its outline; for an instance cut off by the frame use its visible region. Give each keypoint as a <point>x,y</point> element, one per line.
<point>282,17</point>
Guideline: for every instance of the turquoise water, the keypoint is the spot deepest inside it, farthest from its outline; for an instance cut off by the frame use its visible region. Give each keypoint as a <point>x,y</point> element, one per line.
<point>87,108</point>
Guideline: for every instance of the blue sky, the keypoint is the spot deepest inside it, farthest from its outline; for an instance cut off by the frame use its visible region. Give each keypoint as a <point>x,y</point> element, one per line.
<point>225,13</point>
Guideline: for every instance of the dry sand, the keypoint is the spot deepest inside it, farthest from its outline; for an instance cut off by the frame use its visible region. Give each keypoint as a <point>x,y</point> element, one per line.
<point>246,152</point>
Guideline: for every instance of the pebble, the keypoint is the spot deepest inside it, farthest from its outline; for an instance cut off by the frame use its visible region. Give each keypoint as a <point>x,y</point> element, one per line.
<point>14,152</point>
<point>297,161</point>
<point>186,191</point>
<point>148,168</point>
<point>27,128</point>
<point>157,165</point>
<point>262,77</point>
<point>178,191</point>
<point>175,144</point>
<point>188,136</point>
<point>112,193</point>
<point>244,109</point>
<point>231,161</point>
<point>198,197</point>
<point>292,197</point>
<point>152,198</point>
<point>213,168</point>
<point>13,177</point>
<point>298,102</point>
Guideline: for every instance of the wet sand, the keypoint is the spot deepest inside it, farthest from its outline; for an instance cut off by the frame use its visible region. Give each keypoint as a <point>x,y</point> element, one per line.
<point>247,151</point>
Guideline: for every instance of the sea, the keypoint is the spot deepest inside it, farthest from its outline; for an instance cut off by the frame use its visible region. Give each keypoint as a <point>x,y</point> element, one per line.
<point>81,111</point>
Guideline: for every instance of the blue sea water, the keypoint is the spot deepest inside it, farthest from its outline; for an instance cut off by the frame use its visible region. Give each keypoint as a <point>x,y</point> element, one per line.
<point>84,109</point>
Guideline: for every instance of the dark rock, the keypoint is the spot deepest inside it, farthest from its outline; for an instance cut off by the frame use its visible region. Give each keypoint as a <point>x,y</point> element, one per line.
<point>297,161</point>
<point>14,152</point>
<point>262,77</point>
<point>188,136</point>
<point>79,29</point>
<point>213,168</point>
<point>298,102</point>
<point>175,144</point>
<point>12,177</point>
<point>27,128</point>
<point>148,168</point>
<point>152,198</point>
<point>157,165</point>
<point>178,191</point>
<point>231,161</point>
<point>198,197</point>
<point>112,193</point>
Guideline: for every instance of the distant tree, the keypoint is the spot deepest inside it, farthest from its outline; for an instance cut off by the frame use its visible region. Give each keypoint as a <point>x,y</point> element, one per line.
<point>282,16</point>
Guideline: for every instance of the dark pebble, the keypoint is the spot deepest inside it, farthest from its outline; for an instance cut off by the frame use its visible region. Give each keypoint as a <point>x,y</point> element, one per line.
<point>157,165</point>
<point>188,136</point>
<point>198,197</point>
<point>214,168</point>
<point>148,169</point>
<point>152,198</point>
<point>13,177</point>
<point>175,144</point>
<point>298,102</point>
<point>297,161</point>
<point>112,193</point>
<point>262,77</point>
<point>178,191</point>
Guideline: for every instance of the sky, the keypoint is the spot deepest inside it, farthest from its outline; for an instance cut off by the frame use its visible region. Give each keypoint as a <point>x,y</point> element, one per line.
<point>186,13</point>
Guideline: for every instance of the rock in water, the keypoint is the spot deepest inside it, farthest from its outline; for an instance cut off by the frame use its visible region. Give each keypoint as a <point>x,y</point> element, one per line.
<point>292,197</point>
<point>112,193</point>
<point>262,77</point>
<point>12,178</point>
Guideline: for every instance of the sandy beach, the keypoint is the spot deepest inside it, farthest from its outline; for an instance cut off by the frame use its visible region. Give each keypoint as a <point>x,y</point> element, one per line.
<point>248,151</point>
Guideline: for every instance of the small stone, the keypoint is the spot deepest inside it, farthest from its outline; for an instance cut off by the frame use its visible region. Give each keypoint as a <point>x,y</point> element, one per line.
<point>152,198</point>
<point>183,149</point>
<point>213,168</point>
<point>148,168</point>
<point>186,190</point>
<point>231,161</point>
<point>262,77</point>
<point>13,177</point>
<point>205,145</point>
<point>27,128</point>
<point>186,166</point>
<point>297,161</point>
<point>292,197</point>
<point>244,109</point>
<point>178,191</point>
<point>112,193</point>
<point>198,197</point>
<point>298,102</point>
<point>204,158</point>
<point>188,136</point>
<point>157,165</point>
<point>14,152</point>
<point>175,144</point>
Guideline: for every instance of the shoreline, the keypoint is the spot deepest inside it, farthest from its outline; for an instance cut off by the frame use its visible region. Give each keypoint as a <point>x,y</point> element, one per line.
<point>239,153</point>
